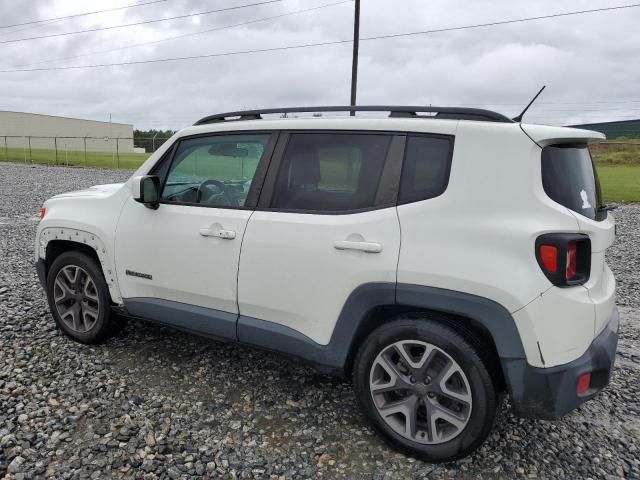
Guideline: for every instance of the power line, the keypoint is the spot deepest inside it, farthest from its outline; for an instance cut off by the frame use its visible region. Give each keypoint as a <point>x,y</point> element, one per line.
<point>146,22</point>
<point>545,103</point>
<point>215,29</point>
<point>75,15</point>
<point>51,21</point>
<point>323,44</point>
<point>505,22</point>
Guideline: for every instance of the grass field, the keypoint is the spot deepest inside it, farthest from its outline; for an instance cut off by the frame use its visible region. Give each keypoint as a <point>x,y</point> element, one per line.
<point>619,170</point>
<point>620,183</point>
<point>618,165</point>
<point>73,158</point>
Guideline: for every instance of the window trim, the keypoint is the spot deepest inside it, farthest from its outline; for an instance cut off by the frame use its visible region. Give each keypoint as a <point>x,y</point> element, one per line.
<point>388,182</point>
<point>258,178</point>
<point>452,141</point>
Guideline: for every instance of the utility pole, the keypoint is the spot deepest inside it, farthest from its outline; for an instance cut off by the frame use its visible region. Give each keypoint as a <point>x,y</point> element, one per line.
<point>354,60</point>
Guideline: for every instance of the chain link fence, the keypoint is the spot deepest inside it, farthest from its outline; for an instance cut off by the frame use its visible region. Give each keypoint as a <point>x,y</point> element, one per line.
<point>131,152</point>
<point>115,152</point>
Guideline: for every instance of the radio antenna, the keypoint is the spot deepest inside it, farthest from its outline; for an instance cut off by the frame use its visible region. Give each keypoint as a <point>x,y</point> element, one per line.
<point>519,117</point>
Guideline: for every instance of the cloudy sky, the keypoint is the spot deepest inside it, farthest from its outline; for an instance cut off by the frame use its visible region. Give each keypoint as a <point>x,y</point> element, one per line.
<point>588,62</point>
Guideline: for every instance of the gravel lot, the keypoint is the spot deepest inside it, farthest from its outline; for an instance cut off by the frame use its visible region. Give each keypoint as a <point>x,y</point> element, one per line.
<point>156,403</point>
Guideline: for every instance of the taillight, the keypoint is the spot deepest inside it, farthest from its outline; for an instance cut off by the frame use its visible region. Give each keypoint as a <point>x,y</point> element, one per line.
<point>43,212</point>
<point>565,258</point>
<point>549,257</point>
<point>571,267</point>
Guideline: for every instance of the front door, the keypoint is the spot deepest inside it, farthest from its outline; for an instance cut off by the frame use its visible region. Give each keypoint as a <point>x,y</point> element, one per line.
<point>179,263</point>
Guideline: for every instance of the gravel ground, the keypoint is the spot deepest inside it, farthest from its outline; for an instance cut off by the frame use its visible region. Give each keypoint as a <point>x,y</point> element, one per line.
<point>156,403</point>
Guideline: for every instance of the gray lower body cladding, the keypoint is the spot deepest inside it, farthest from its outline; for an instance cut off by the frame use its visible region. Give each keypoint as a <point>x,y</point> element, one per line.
<point>545,393</point>
<point>549,393</point>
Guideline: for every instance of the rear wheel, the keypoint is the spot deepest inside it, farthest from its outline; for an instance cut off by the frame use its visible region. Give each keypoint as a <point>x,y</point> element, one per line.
<point>425,389</point>
<point>79,298</point>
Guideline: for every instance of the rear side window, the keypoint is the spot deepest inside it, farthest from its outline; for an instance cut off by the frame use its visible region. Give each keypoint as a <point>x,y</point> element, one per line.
<point>425,172</point>
<point>330,172</point>
<point>570,178</point>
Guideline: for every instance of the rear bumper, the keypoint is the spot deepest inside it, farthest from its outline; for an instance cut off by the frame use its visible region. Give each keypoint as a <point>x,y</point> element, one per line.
<point>42,272</point>
<point>549,393</point>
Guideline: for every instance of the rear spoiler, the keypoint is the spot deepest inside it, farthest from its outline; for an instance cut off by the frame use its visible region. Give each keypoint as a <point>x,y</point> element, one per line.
<point>544,135</point>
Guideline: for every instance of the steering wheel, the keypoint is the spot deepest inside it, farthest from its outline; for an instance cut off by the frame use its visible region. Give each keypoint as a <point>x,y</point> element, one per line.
<point>206,183</point>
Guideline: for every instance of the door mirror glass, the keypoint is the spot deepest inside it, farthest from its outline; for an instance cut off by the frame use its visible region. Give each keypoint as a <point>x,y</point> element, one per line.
<point>146,190</point>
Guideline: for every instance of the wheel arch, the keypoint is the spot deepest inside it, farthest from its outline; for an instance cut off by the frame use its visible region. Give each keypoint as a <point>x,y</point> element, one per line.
<point>56,248</point>
<point>55,241</point>
<point>485,323</point>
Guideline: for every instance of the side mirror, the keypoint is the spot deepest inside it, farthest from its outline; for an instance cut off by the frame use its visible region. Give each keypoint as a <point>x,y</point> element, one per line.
<point>146,190</point>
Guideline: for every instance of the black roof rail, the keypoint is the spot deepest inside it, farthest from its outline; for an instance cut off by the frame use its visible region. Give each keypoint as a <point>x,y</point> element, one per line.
<point>457,113</point>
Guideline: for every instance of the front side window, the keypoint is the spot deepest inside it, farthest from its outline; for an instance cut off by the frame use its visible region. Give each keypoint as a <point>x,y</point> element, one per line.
<point>214,171</point>
<point>330,172</point>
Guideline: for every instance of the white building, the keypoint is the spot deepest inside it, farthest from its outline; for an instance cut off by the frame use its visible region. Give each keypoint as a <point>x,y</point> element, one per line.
<point>21,130</point>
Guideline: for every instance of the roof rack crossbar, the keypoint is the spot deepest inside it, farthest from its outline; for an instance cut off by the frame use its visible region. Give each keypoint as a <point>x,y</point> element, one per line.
<point>460,113</point>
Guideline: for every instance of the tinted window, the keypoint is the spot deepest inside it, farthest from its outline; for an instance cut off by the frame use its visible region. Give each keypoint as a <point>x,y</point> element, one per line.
<point>215,171</point>
<point>330,171</point>
<point>425,172</point>
<point>569,178</point>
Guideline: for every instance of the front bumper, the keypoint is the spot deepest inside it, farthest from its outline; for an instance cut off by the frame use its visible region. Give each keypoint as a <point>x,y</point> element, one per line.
<point>41,269</point>
<point>549,393</point>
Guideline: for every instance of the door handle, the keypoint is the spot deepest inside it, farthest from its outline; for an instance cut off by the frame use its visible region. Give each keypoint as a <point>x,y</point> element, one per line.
<point>369,247</point>
<point>224,234</point>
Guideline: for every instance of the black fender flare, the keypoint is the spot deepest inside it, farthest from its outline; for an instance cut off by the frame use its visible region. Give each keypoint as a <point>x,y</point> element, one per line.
<point>332,358</point>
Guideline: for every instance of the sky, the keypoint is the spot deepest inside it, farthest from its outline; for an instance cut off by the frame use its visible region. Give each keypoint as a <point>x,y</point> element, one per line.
<point>588,62</point>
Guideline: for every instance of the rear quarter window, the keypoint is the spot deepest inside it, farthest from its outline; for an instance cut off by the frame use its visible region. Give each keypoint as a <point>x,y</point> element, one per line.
<point>569,177</point>
<point>426,167</point>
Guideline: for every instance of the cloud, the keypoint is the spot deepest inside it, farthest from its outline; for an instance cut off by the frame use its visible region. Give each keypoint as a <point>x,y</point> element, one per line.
<point>582,59</point>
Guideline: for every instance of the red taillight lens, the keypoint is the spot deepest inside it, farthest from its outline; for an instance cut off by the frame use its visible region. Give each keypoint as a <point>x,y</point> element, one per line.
<point>584,381</point>
<point>43,212</point>
<point>571,268</point>
<point>565,258</point>
<point>549,257</point>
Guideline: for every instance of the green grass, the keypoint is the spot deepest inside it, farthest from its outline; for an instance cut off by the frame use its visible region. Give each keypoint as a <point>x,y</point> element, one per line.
<point>619,170</point>
<point>74,158</point>
<point>620,183</point>
<point>616,154</point>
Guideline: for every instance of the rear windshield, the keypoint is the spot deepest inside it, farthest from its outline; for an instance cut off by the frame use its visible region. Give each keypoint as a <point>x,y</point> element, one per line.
<point>570,178</point>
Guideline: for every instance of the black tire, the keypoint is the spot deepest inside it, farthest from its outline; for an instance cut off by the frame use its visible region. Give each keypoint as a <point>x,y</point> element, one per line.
<point>482,410</point>
<point>103,325</point>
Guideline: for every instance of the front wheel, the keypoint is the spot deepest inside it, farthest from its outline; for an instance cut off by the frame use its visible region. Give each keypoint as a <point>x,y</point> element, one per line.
<point>425,389</point>
<point>79,298</point>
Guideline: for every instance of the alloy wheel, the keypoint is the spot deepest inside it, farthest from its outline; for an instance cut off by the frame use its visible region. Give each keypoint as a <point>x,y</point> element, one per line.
<point>420,392</point>
<point>76,298</point>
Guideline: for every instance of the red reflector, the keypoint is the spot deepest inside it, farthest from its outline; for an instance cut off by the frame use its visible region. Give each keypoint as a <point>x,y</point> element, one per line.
<point>571,270</point>
<point>549,257</point>
<point>584,381</point>
<point>43,212</point>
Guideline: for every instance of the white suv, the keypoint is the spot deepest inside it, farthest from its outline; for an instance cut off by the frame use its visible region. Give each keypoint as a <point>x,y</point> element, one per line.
<point>438,260</point>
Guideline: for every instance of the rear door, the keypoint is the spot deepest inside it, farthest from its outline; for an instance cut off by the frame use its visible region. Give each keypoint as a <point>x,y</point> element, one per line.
<point>326,223</point>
